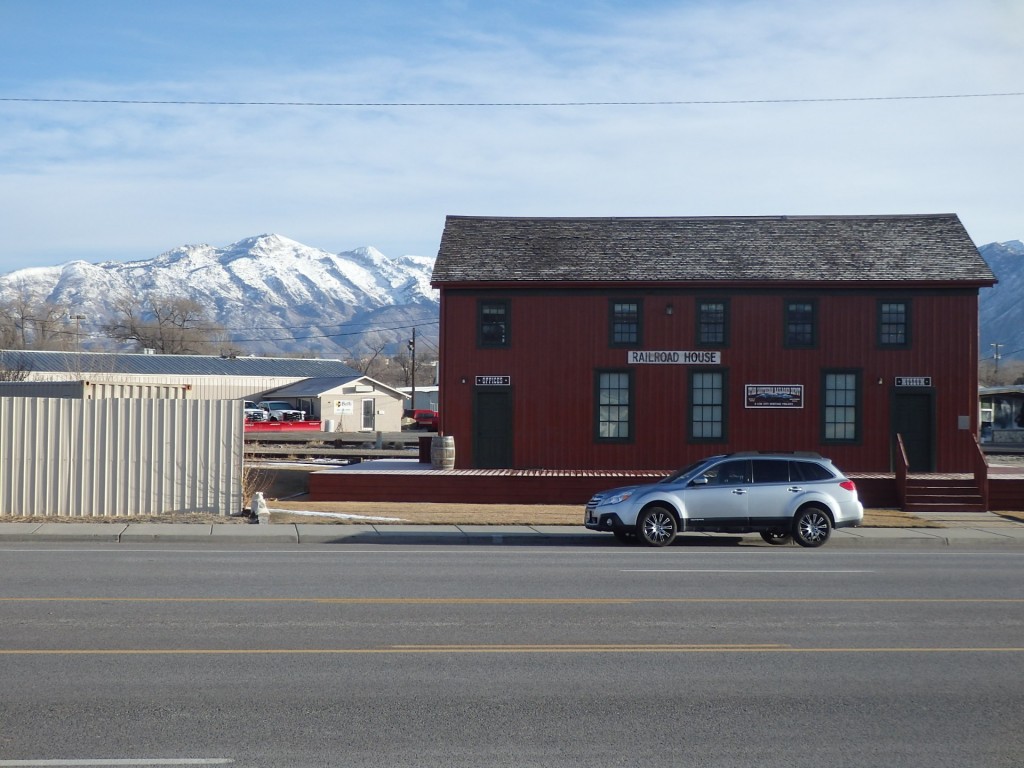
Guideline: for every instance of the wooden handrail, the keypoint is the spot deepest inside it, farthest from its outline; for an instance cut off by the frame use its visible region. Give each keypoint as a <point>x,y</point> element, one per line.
<point>902,469</point>
<point>980,470</point>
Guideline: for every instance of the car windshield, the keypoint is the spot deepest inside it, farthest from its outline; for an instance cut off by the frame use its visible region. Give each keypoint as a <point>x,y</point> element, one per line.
<point>679,474</point>
<point>277,405</point>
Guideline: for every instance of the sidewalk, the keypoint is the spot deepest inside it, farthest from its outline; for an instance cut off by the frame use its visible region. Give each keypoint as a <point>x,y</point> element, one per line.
<point>969,530</point>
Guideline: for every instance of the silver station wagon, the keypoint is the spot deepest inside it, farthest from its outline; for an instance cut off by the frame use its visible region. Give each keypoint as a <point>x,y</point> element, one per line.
<point>783,496</point>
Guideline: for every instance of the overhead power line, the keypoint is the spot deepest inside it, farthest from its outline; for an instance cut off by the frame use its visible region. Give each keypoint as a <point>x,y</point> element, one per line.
<point>610,103</point>
<point>338,335</point>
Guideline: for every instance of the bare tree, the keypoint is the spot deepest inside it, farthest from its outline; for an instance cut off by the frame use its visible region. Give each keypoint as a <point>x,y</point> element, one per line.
<point>1005,373</point>
<point>172,325</point>
<point>372,359</point>
<point>29,321</point>
<point>10,333</point>
<point>14,368</point>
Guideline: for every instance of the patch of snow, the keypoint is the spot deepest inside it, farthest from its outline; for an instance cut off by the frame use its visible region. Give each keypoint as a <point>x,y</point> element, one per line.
<point>341,516</point>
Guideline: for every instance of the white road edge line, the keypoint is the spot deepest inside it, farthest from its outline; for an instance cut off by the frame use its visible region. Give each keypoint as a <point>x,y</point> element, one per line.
<point>118,761</point>
<point>724,570</point>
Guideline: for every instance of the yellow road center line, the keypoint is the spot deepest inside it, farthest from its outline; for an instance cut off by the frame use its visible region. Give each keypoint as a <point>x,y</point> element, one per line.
<point>506,649</point>
<point>512,600</point>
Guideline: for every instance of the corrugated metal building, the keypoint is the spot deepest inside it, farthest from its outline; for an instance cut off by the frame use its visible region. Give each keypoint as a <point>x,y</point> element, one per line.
<point>93,390</point>
<point>97,434</point>
<point>646,343</point>
<point>119,456</point>
<point>207,376</point>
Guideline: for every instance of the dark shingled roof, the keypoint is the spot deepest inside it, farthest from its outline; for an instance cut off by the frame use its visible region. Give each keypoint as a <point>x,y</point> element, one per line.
<point>927,248</point>
<point>176,365</point>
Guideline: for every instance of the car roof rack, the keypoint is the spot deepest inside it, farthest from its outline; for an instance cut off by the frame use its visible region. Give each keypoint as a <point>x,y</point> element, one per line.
<point>800,454</point>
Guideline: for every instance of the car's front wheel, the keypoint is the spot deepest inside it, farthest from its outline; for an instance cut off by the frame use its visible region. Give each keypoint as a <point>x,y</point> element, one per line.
<point>657,527</point>
<point>777,537</point>
<point>811,526</point>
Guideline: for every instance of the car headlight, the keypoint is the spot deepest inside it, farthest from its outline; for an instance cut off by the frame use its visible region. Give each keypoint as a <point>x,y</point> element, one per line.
<point>618,498</point>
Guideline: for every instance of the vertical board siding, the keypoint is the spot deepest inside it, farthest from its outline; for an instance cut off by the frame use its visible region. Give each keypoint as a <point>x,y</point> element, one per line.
<point>99,458</point>
<point>93,390</point>
<point>560,338</point>
<point>192,387</point>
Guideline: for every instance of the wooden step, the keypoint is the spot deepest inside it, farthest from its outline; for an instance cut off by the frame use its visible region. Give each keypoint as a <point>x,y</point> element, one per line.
<point>913,506</point>
<point>942,495</point>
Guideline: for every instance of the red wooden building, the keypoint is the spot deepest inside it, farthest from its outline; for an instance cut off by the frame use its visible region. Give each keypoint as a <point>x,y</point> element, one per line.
<point>646,343</point>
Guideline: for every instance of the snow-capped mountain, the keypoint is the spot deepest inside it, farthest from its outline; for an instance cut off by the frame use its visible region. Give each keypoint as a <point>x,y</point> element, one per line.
<point>278,296</point>
<point>274,295</point>
<point>1001,312</point>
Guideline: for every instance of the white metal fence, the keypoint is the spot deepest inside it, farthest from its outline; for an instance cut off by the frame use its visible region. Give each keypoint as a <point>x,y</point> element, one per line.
<point>97,458</point>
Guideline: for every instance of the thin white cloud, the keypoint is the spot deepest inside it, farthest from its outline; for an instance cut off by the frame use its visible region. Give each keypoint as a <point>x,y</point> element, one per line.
<point>133,180</point>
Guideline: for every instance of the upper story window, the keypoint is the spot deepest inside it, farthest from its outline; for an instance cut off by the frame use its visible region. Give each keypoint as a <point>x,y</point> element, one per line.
<point>713,323</point>
<point>800,323</point>
<point>493,324</point>
<point>625,323</point>
<point>893,323</point>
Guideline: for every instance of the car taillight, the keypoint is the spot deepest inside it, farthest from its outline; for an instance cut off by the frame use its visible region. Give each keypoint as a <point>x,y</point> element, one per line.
<point>849,485</point>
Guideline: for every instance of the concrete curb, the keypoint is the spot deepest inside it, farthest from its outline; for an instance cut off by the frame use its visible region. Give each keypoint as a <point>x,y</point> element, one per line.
<point>1004,535</point>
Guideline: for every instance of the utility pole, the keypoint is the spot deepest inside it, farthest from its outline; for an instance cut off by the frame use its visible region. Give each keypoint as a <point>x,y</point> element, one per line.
<point>996,355</point>
<point>412,352</point>
<point>78,342</point>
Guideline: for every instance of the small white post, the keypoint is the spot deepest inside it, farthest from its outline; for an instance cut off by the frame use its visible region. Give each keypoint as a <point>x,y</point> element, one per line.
<point>260,509</point>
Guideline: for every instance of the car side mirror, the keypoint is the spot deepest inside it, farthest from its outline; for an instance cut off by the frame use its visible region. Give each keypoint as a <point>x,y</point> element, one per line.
<point>699,481</point>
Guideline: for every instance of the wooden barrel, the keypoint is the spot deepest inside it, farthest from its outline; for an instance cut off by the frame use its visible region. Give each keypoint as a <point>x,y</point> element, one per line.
<point>442,452</point>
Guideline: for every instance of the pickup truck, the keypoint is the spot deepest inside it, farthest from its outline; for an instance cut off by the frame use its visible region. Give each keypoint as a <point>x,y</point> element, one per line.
<point>254,412</point>
<point>420,418</point>
<point>279,410</point>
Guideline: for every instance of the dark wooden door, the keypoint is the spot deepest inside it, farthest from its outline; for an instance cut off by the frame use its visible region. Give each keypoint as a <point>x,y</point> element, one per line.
<point>914,418</point>
<point>492,429</point>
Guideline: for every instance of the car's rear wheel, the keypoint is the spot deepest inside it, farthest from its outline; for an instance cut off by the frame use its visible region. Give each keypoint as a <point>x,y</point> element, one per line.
<point>811,526</point>
<point>777,537</point>
<point>657,527</point>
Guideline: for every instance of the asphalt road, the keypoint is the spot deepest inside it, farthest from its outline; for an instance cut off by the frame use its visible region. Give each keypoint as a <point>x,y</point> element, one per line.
<point>510,656</point>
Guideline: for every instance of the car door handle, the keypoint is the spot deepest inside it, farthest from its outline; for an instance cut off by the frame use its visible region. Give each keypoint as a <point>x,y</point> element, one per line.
<point>739,491</point>
<point>794,488</point>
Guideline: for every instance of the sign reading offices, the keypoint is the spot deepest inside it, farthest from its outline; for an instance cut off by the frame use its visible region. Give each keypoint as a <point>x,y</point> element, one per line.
<point>913,381</point>
<point>673,358</point>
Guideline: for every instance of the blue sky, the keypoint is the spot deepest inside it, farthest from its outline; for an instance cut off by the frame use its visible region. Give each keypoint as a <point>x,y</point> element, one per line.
<point>123,181</point>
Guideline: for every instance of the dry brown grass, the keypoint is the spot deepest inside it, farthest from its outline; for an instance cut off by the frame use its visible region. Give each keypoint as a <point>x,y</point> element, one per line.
<point>284,512</point>
<point>431,514</point>
<point>503,514</point>
<point>895,518</point>
<point>173,517</point>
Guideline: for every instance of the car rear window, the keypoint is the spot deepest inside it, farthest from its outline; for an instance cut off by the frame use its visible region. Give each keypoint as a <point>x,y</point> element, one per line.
<point>809,471</point>
<point>771,471</point>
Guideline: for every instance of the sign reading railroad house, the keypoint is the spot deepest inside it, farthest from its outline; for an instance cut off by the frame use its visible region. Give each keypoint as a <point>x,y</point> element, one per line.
<point>775,396</point>
<point>673,358</point>
<point>494,381</point>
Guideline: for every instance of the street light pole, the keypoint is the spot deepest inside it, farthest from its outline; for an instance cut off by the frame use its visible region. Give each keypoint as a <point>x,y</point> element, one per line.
<point>412,351</point>
<point>78,342</point>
